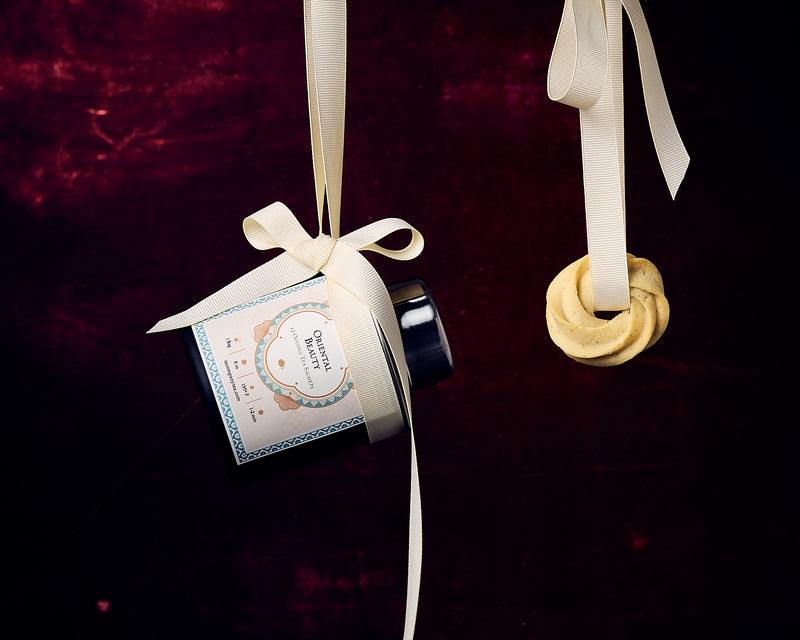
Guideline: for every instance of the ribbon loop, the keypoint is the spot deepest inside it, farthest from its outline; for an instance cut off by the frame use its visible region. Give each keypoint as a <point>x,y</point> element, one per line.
<point>366,239</point>
<point>272,227</point>
<point>579,64</point>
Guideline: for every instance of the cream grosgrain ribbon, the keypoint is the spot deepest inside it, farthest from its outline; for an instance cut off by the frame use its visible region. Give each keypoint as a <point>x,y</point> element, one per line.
<point>357,295</point>
<point>586,72</point>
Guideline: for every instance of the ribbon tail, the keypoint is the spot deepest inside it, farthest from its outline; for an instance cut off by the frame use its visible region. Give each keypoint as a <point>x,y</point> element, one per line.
<point>672,154</point>
<point>352,275</point>
<point>281,272</point>
<point>414,542</point>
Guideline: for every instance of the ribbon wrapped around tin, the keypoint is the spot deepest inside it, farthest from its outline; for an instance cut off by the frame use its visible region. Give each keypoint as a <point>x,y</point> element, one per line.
<point>357,296</point>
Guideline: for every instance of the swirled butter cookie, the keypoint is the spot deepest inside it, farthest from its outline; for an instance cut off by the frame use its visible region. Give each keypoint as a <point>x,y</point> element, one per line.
<point>573,326</point>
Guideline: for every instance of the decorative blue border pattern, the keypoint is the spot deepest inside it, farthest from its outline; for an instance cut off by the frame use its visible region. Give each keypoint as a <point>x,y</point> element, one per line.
<point>226,412</point>
<point>243,456</point>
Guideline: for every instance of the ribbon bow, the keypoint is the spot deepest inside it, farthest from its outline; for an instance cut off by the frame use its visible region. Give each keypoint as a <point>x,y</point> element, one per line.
<point>340,259</point>
<point>356,294</point>
<point>586,73</point>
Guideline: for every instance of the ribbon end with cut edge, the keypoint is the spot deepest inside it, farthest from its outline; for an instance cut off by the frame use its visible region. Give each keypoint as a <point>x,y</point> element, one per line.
<point>679,173</point>
<point>282,271</point>
<point>167,324</point>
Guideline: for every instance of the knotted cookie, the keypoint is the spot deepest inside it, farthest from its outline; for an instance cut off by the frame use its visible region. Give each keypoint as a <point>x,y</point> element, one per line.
<point>595,341</point>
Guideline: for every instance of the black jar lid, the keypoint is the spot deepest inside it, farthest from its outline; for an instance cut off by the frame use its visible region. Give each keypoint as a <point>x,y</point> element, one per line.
<point>425,343</point>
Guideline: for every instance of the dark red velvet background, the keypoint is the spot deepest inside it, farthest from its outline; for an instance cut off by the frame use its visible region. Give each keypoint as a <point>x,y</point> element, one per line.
<point>651,500</point>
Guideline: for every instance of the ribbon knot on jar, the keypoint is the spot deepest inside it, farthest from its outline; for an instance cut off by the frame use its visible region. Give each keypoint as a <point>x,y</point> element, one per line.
<point>315,252</point>
<point>275,226</point>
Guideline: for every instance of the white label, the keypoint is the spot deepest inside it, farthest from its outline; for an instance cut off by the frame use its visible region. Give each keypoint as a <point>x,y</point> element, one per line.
<point>277,371</point>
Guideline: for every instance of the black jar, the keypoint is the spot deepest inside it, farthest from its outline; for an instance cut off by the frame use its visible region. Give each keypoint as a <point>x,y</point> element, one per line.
<point>267,372</point>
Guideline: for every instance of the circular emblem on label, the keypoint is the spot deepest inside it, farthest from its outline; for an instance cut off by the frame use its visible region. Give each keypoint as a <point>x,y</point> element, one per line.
<point>300,357</point>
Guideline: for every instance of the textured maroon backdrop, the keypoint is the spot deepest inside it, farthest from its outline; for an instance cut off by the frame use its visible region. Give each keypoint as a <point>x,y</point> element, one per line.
<point>650,500</point>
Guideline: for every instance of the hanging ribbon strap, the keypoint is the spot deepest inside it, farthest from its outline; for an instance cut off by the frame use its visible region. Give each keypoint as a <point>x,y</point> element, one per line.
<point>356,294</point>
<point>586,73</point>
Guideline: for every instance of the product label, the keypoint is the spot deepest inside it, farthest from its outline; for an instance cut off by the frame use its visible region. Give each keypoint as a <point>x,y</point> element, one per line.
<point>278,372</point>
